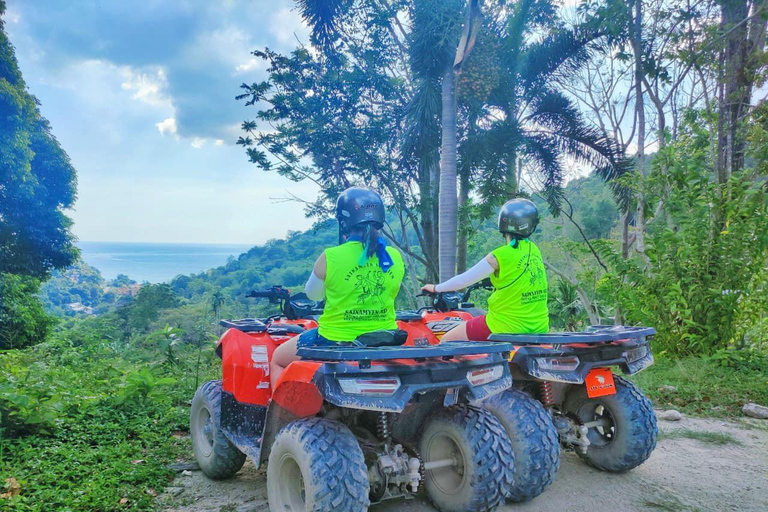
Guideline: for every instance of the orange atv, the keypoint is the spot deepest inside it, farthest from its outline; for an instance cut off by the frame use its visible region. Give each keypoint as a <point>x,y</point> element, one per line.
<point>566,384</point>
<point>358,423</point>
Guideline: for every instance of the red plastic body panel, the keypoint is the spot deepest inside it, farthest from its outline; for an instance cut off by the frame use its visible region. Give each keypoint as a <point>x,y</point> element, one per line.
<point>307,324</point>
<point>418,333</point>
<point>245,365</point>
<point>304,323</point>
<point>295,390</point>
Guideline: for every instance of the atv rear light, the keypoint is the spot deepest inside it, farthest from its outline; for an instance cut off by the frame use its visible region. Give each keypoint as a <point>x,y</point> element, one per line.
<point>636,354</point>
<point>385,386</point>
<point>558,364</point>
<point>484,376</point>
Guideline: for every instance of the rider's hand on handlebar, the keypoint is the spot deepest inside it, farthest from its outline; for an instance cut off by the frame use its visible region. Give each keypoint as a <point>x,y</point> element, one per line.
<point>429,288</point>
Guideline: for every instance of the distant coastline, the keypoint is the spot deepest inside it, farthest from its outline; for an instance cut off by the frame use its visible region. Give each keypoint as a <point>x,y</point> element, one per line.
<point>156,262</point>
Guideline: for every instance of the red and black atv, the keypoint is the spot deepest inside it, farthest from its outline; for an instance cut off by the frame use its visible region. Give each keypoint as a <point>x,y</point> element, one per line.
<point>605,417</point>
<point>347,426</point>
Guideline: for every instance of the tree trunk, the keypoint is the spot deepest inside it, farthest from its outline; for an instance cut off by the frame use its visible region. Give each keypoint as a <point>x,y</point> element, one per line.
<point>593,318</point>
<point>512,174</point>
<point>637,48</point>
<point>461,258</point>
<point>732,87</point>
<point>744,42</point>
<point>448,199</point>
<point>428,186</point>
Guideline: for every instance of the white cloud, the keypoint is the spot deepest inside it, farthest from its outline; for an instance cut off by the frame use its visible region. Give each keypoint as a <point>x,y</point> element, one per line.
<point>227,45</point>
<point>167,126</point>
<point>148,86</point>
<point>251,65</point>
<point>219,142</point>
<point>198,142</point>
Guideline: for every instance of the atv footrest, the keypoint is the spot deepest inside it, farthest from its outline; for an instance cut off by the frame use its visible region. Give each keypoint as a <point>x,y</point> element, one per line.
<point>349,352</point>
<point>593,335</point>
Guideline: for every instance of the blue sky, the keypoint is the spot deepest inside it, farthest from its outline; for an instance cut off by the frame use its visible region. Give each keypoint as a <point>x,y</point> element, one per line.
<point>141,96</point>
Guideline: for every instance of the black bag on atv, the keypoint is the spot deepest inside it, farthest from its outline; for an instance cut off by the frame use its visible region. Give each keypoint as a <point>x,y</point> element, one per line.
<point>393,338</point>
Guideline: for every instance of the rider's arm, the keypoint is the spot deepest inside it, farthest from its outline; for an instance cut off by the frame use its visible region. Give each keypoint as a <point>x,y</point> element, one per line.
<point>315,287</point>
<point>484,268</point>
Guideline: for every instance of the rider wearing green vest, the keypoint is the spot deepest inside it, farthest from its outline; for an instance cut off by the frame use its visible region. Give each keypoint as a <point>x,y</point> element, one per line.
<point>519,301</point>
<point>359,280</point>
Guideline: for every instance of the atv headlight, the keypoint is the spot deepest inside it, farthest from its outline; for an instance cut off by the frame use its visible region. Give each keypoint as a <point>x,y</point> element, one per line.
<point>558,364</point>
<point>485,375</point>
<point>635,354</point>
<point>383,386</point>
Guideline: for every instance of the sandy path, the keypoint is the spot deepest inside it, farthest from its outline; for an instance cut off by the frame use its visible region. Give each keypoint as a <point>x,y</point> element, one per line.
<point>682,475</point>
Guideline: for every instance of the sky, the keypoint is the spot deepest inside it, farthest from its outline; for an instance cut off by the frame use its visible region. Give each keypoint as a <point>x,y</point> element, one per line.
<point>141,96</point>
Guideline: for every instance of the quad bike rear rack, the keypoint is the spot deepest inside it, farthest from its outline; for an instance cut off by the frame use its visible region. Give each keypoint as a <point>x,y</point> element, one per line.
<point>594,334</point>
<point>364,355</point>
<point>599,346</point>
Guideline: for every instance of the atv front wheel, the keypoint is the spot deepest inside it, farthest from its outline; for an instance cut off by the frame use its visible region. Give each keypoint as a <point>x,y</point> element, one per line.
<point>217,457</point>
<point>624,432</point>
<point>316,465</point>
<point>468,460</point>
<point>534,441</point>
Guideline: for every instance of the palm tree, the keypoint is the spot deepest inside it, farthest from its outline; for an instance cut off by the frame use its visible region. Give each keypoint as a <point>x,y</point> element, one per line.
<point>216,301</point>
<point>566,307</point>
<point>530,122</point>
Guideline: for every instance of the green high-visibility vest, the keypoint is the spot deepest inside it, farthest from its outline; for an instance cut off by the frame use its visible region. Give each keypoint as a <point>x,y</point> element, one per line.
<point>358,298</point>
<point>519,303</point>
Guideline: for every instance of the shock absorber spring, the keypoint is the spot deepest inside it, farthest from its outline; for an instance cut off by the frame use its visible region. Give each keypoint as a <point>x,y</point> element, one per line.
<point>382,424</point>
<point>547,394</point>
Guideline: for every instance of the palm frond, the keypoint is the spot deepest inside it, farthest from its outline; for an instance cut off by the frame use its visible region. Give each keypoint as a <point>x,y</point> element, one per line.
<point>322,18</point>
<point>542,152</point>
<point>562,52</point>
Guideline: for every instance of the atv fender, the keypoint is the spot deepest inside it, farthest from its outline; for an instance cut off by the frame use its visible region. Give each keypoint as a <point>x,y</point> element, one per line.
<point>245,366</point>
<point>296,391</point>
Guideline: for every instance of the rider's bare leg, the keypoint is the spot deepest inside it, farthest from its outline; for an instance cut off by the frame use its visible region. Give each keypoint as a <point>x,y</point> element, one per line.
<point>283,355</point>
<point>458,333</point>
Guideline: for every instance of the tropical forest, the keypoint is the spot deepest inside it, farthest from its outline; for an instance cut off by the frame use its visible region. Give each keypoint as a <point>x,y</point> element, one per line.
<point>637,128</point>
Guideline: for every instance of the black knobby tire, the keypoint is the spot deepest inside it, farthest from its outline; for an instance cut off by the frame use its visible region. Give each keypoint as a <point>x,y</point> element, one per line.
<point>217,457</point>
<point>633,436</point>
<point>485,473</point>
<point>316,465</point>
<point>534,441</point>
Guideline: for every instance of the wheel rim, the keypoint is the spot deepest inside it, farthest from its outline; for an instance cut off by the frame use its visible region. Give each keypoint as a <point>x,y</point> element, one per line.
<point>291,494</point>
<point>203,428</point>
<point>604,433</point>
<point>448,480</point>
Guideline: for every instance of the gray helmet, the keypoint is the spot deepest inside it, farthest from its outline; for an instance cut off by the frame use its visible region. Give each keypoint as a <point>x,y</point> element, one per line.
<point>358,205</point>
<point>518,217</point>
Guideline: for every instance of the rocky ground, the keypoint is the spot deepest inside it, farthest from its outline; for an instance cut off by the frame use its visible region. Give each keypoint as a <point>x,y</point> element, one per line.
<point>699,465</point>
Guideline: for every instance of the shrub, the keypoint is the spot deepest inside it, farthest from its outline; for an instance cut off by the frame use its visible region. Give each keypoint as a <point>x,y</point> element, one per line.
<point>23,321</point>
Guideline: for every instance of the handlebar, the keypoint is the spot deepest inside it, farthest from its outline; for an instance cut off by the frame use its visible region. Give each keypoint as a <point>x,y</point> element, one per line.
<point>274,294</point>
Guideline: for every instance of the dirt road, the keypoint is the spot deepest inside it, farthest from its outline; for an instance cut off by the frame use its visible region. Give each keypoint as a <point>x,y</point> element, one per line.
<point>689,471</point>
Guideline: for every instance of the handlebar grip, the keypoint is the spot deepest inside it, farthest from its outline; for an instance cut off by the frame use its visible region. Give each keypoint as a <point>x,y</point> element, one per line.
<point>265,294</point>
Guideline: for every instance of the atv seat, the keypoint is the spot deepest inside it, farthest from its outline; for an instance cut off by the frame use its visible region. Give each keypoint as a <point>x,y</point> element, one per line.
<point>408,316</point>
<point>244,325</point>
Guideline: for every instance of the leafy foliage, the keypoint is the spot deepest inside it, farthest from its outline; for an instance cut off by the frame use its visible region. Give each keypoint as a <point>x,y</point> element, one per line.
<point>694,281</point>
<point>23,321</point>
<point>123,422</point>
<point>38,180</point>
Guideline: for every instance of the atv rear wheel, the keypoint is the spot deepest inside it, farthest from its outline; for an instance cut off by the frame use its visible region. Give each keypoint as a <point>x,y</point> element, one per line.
<point>534,441</point>
<point>627,431</point>
<point>476,456</point>
<point>217,457</point>
<point>316,465</point>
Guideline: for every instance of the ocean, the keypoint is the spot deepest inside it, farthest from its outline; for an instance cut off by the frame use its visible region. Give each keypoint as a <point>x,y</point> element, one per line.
<point>155,262</point>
